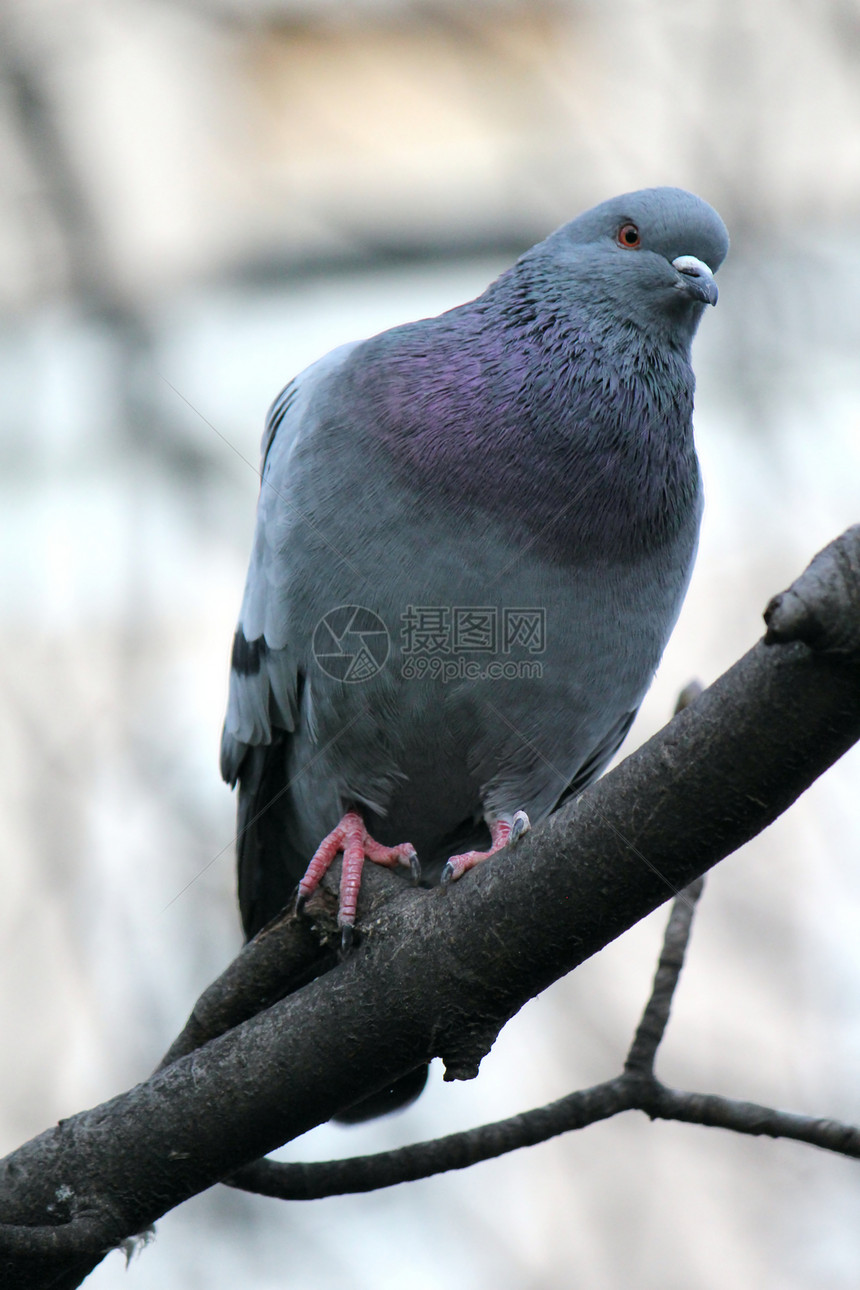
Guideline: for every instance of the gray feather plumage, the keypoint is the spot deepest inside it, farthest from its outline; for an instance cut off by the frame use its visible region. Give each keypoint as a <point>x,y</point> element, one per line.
<point>531,449</point>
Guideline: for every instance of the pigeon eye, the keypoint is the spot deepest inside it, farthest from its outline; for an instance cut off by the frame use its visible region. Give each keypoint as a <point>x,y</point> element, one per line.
<point>628,236</point>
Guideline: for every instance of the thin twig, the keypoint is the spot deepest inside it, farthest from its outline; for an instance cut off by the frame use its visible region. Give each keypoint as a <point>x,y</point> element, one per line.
<point>649,1032</point>
<point>718,1112</point>
<point>627,1092</point>
<point>423,1159</point>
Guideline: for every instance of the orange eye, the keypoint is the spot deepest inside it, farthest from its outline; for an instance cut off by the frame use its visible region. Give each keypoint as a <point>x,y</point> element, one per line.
<point>628,236</point>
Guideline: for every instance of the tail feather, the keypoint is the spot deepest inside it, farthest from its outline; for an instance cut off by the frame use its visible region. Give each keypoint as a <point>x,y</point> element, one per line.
<point>269,866</point>
<point>269,869</point>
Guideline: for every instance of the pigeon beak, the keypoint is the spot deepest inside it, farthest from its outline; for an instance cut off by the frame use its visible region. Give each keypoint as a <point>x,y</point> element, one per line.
<point>698,281</point>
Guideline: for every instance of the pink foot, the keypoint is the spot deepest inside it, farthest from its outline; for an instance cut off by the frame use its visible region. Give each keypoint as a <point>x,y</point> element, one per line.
<point>502,832</point>
<point>353,839</point>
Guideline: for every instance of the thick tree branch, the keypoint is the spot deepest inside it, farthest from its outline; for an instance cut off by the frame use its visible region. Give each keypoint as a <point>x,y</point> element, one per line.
<point>807,610</point>
<point>439,972</point>
<point>304,1181</point>
<point>283,956</point>
<point>636,1089</point>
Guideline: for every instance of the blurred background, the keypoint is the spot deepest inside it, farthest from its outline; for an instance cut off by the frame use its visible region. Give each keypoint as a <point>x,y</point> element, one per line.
<point>198,198</point>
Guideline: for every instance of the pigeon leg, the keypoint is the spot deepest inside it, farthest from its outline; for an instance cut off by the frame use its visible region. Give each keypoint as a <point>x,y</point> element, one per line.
<point>353,839</point>
<point>503,831</point>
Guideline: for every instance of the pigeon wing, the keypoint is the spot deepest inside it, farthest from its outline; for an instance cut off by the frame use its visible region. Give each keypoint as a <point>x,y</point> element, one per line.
<point>263,707</point>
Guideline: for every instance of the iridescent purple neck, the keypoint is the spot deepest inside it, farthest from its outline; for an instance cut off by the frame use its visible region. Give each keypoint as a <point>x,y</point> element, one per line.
<point>578,438</point>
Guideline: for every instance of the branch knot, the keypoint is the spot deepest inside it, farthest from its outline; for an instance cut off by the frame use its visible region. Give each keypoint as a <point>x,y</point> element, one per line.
<point>822,606</point>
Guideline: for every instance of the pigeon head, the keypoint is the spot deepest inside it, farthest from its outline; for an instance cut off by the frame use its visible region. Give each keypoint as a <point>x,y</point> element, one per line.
<point>648,257</point>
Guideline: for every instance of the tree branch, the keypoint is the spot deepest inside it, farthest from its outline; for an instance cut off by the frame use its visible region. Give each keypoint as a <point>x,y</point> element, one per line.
<point>281,958</point>
<point>748,1117</point>
<point>636,1089</point>
<point>808,611</point>
<point>439,972</point>
<point>459,1150</point>
<point>313,1181</point>
<point>652,1027</point>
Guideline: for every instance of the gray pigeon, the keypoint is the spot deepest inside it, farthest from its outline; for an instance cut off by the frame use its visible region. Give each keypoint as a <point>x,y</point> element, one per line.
<point>473,539</point>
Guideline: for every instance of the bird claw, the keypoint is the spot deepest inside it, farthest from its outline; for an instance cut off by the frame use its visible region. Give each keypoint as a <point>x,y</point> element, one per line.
<point>519,825</point>
<point>415,869</point>
<point>502,834</point>
<point>351,837</point>
<point>347,937</point>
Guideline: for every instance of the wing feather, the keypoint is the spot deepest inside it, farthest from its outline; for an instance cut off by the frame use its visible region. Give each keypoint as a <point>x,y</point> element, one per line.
<point>264,669</point>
